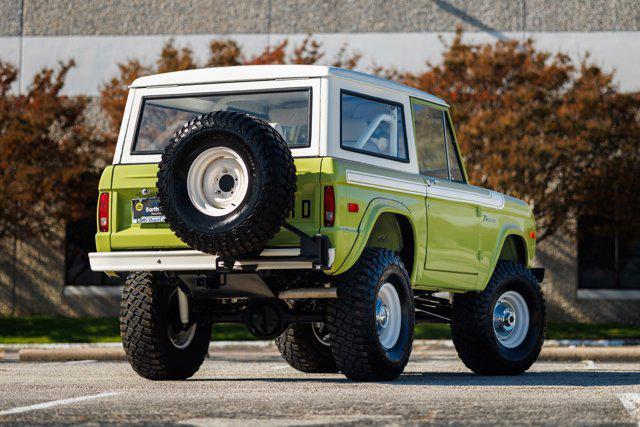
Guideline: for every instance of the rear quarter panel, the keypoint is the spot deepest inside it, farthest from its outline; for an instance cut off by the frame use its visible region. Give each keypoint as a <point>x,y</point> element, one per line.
<point>376,191</point>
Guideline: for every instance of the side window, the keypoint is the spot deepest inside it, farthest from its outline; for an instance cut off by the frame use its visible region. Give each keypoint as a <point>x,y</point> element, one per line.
<point>432,157</point>
<point>455,166</point>
<point>372,126</point>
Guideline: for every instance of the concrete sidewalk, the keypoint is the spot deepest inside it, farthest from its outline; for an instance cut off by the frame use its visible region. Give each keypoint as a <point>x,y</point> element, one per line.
<point>601,350</point>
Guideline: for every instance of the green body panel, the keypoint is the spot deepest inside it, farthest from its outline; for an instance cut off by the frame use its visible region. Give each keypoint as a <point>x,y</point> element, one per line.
<point>128,181</point>
<point>351,231</point>
<point>456,243</point>
<point>452,235</point>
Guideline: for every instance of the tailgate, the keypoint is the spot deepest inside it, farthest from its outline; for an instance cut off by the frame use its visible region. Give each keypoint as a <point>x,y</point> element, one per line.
<point>131,181</point>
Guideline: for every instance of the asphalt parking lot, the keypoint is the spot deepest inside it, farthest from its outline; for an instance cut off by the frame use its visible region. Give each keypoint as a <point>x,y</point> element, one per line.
<point>256,387</point>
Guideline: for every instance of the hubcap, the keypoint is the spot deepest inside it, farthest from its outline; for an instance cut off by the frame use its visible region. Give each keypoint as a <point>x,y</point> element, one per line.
<point>382,314</point>
<point>388,315</point>
<point>217,181</point>
<point>511,319</point>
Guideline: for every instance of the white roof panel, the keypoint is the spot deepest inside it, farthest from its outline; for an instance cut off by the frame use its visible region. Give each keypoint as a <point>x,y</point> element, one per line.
<point>273,72</point>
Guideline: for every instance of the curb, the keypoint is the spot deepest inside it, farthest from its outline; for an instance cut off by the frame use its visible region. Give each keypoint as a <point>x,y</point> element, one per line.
<point>56,346</point>
<point>261,344</point>
<point>591,343</point>
<point>68,355</point>
<point>596,354</point>
<point>115,352</point>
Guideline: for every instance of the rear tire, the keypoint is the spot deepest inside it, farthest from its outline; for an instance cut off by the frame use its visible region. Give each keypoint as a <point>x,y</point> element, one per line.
<point>500,331</point>
<point>156,345</point>
<point>371,322</point>
<point>306,348</point>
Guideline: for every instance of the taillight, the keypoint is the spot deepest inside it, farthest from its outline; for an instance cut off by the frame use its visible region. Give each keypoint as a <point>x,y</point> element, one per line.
<point>329,206</point>
<point>103,212</point>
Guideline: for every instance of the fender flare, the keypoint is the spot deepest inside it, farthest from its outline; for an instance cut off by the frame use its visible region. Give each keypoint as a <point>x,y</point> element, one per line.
<point>375,208</point>
<point>507,230</point>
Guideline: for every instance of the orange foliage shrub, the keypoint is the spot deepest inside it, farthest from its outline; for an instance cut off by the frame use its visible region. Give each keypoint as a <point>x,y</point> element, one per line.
<point>49,157</point>
<point>535,126</point>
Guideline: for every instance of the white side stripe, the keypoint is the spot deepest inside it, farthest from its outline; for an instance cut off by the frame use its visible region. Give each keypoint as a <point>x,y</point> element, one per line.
<point>46,405</point>
<point>386,183</point>
<point>492,199</point>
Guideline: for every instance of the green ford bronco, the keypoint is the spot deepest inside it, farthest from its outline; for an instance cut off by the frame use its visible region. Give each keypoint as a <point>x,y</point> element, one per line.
<point>325,208</point>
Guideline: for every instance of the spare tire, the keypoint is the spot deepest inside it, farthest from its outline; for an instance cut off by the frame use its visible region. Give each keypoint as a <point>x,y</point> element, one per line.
<point>226,183</point>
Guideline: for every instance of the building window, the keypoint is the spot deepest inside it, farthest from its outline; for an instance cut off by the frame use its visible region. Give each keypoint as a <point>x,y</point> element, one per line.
<point>608,253</point>
<point>79,242</point>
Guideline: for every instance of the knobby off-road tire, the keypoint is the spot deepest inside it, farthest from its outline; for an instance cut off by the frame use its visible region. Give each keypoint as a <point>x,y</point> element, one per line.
<point>147,312</point>
<point>304,349</point>
<point>482,342</point>
<point>362,348</point>
<point>226,183</point>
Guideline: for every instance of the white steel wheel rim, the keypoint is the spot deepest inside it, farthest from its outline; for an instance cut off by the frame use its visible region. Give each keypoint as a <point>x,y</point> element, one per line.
<point>388,316</point>
<point>511,319</point>
<point>218,181</point>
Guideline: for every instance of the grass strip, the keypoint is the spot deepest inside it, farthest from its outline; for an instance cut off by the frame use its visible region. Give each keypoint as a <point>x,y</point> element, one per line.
<point>52,329</point>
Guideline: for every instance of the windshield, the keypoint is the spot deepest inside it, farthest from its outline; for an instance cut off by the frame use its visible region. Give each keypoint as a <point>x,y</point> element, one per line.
<point>287,111</point>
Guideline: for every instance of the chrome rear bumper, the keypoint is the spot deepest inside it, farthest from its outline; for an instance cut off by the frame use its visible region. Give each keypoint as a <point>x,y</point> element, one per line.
<point>191,260</point>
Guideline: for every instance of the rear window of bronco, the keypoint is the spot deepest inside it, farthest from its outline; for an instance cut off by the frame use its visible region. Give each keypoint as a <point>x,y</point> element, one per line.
<point>161,117</point>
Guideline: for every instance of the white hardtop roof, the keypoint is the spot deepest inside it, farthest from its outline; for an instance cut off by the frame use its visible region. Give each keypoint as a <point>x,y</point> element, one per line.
<point>272,72</point>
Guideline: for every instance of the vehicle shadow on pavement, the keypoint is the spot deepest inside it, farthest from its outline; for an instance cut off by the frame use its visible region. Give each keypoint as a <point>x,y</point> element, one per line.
<point>462,379</point>
<point>306,379</point>
<point>546,378</point>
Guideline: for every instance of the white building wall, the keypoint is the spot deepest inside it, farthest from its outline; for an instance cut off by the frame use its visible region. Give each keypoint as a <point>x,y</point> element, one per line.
<point>97,56</point>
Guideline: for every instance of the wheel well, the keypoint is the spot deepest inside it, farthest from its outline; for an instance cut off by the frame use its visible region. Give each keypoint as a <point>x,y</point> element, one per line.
<point>394,232</point>
<point>514,249</point>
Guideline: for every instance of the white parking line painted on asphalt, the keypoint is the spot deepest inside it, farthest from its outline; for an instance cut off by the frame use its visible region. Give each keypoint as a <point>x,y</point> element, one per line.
<point>631,402</point>
<point>53,403</point>
<point>79,362</point>
<point>590,364</point>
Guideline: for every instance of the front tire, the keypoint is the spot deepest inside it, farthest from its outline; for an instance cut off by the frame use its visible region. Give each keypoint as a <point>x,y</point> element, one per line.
<point>500,331</point>
<point>371,322</point>
<point>157,346</point>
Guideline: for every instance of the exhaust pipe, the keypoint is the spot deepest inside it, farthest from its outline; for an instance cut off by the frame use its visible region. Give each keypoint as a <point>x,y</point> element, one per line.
<point>303,293</point>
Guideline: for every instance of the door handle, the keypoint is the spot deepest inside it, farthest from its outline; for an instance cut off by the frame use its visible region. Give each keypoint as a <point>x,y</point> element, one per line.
<point>430,182</point>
